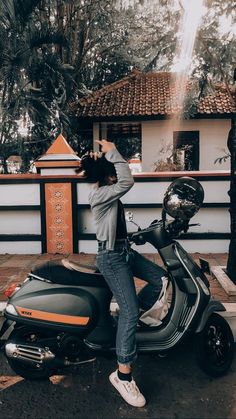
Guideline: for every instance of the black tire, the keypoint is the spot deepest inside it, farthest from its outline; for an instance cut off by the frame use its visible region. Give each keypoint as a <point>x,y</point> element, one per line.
<point>214,346</point>
<point>25,370</point>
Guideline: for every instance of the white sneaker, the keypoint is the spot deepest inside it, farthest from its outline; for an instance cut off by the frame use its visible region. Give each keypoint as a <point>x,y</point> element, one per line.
<point>128,390</point>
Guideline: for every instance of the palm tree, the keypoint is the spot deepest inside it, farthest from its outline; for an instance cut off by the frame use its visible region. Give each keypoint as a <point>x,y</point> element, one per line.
<point>35,83</point>
<point>48,50</point>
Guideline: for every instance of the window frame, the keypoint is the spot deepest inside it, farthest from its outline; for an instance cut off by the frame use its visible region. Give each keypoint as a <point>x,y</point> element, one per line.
<point>191,138</point>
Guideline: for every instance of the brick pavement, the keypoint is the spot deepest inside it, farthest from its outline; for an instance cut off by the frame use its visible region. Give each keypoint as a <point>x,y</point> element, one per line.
<point>14,269</point>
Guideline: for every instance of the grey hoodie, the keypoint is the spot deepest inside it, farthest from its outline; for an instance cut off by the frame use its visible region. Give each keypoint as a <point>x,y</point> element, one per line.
<point>103,200</point>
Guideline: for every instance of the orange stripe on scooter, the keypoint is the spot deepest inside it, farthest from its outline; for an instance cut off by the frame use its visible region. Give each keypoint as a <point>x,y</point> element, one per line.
<point>52,317</point>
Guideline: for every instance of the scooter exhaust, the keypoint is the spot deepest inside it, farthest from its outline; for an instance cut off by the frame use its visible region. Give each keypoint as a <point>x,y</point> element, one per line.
<point>39,356</point>
<point>29,354</point>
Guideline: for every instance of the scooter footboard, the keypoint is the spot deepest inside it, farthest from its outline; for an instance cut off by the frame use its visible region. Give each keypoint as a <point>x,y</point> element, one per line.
<point>212,307</point>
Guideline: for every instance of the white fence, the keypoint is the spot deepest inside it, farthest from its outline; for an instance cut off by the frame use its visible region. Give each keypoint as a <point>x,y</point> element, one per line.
<point>26,225</point>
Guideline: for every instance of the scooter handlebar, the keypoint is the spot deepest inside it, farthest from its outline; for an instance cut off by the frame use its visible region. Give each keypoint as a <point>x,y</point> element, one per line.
<point>137,239</point>
<point>178,226</point>
<point>173,228</point>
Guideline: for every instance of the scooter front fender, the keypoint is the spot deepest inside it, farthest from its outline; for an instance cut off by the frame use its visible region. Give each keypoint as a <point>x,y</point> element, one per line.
<point>212,307</point>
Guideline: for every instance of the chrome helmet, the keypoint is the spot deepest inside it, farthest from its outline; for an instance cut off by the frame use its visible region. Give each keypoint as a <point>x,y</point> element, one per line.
<point>183,198</point>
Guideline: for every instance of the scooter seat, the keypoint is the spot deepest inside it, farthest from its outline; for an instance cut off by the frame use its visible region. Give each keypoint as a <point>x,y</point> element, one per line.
<point>69,273</point>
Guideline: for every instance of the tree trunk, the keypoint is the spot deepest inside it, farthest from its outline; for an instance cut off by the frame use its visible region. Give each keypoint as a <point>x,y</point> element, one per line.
<point>231,263</point>
<point>60,23</point>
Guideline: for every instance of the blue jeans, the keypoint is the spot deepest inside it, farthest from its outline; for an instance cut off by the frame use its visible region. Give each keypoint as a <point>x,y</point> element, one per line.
<point>119,268</point>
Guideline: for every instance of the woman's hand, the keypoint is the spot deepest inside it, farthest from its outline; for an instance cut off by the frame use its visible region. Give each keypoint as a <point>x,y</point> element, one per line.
<point>105,145</point>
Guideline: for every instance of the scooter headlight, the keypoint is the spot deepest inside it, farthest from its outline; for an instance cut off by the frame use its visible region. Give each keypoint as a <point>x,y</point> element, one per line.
<point>10,309</point>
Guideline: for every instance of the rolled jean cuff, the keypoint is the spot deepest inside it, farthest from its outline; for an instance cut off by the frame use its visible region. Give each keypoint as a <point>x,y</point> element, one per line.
<point>126,360</point>
<point>125,364</point>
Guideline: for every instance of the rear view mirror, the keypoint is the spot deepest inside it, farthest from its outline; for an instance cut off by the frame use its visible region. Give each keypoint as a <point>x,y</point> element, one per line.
<point>129,216</point>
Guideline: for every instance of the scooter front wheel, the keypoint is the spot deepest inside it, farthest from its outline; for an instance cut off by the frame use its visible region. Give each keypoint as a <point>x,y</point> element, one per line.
<point>214,346</point>
<point>27,335</point>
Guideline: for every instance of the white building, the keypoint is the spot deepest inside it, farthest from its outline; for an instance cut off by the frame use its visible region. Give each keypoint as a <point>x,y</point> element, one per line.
<point>144,106</point>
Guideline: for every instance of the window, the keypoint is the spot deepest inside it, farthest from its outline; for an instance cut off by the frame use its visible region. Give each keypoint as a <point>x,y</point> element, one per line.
<point>186,149</point>
<point>83,139</point>
<point>127,137</point>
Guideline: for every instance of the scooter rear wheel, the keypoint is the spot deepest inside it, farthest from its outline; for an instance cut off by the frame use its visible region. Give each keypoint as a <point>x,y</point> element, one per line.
<point>28,335</point>
<point>214,346</point>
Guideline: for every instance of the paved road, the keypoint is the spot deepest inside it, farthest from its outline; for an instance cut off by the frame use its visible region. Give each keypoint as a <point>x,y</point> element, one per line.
<point>174,386</point>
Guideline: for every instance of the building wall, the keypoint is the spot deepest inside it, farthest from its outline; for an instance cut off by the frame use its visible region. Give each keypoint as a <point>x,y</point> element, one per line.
<point>213,134</point>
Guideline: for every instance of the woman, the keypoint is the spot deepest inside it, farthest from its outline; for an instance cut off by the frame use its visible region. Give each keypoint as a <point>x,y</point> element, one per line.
<point>116,260</point>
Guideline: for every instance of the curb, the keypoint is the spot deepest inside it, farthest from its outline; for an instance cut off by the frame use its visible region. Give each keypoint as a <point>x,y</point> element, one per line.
<point>219,273</point>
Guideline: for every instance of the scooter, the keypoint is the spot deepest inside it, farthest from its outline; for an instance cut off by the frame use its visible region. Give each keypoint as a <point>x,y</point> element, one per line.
<point>60,316</point>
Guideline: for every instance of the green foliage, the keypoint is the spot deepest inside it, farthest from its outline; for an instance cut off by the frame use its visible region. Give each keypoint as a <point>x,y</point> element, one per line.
<point>215,44</point>
<point>50,52</point>
<point>152,42</point>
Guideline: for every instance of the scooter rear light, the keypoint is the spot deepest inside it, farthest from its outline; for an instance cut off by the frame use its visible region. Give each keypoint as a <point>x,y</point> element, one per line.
<point>11,289</point>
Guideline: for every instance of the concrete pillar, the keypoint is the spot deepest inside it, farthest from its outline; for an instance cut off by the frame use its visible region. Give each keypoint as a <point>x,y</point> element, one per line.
<point>60,159</point>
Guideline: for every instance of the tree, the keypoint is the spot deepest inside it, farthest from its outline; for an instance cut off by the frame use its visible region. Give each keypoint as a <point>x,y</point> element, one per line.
<point>153,37</point>
<point>32,78</point>
<point>51,52</point>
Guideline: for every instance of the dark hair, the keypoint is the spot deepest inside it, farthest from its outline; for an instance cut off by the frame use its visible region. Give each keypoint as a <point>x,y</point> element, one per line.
<point>96,170</point>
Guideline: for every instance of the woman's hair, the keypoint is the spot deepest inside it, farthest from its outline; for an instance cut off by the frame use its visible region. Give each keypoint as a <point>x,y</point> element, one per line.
<point>96,170</point>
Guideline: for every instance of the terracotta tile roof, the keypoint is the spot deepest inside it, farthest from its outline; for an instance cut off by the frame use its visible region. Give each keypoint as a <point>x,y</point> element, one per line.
<point>147,94</point>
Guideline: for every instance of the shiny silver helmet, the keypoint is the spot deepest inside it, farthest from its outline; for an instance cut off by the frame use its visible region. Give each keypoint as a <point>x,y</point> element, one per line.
<point>183,198</point>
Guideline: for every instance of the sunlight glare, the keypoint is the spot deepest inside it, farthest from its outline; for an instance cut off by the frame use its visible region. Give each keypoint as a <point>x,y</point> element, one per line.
<point>193,11</point>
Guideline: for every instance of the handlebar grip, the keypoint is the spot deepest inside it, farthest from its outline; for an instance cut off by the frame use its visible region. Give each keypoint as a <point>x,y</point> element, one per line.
<point>138,240</point>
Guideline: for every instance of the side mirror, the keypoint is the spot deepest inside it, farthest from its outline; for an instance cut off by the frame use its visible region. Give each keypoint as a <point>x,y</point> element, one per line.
<point>129,216</point>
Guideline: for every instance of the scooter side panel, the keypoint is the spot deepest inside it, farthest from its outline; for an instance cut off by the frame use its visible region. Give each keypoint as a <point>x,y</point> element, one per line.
<point>43,303</point>
<point>212,307</point>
